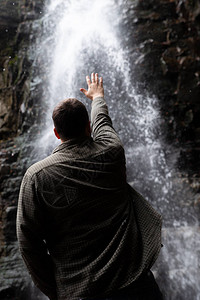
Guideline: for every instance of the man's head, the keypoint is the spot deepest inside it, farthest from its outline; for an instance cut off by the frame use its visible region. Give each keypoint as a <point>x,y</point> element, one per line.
<point>70,119</point>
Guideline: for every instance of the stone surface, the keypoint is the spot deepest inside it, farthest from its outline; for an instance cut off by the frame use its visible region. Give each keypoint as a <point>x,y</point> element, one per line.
<point>167,65</point>
<point>16,116</point>
<point>17,33</point>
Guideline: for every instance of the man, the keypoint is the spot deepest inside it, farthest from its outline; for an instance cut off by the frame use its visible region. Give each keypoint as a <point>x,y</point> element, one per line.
<point>83,232</point>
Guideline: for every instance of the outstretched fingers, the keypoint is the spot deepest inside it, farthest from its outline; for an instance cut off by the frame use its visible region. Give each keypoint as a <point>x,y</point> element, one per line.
<point>97,78</point>
<point>88,80</point>
<point>101,81</point>
<point>93,78</point>
<point>84,91</point>
<point>95,86</point>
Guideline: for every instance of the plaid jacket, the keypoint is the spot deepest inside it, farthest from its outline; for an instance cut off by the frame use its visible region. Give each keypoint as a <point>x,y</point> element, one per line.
<point>83,232</point>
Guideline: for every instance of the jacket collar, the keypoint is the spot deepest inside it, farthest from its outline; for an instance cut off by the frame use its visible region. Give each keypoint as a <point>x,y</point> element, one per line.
<point>72,143</point>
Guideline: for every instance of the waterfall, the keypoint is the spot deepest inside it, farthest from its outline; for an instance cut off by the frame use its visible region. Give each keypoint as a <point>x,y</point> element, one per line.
<point>82,37</point>
<point>79,37</point>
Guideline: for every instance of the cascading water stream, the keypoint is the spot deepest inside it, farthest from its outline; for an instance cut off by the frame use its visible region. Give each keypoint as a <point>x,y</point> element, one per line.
<point>84,40</point>
<point>80,37</point>
<point>83,37</point>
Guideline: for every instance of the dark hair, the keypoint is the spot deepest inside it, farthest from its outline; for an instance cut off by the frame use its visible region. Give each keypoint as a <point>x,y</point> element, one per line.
<point>70,118</point>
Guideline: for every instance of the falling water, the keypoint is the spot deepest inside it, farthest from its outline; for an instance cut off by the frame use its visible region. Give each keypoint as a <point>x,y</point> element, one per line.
<point>84,40</point>
<point>80,37</point>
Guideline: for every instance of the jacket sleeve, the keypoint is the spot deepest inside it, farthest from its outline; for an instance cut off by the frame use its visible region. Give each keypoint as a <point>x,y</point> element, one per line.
<point>102,128</point>
<point>31,239</point>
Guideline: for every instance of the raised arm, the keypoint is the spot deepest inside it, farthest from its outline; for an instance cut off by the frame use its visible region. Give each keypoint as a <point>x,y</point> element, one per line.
<point>102,128</point>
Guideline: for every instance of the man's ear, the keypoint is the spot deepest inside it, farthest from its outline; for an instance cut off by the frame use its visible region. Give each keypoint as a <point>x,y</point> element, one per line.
<point>56,133</point>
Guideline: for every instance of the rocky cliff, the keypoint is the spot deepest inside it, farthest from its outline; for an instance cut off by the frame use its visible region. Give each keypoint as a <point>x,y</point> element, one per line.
<point>17,114</point>
<point>167,40</point>
<point>17,33</point>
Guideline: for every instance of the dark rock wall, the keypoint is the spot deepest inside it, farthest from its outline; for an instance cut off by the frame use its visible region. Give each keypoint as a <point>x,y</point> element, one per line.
<point>17,115</point>
<point>16,31</point>
<point>165,44</point>
<point>167,39</point>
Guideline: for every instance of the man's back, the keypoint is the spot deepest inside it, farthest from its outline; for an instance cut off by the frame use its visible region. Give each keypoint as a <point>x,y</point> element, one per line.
<point>77,205</point>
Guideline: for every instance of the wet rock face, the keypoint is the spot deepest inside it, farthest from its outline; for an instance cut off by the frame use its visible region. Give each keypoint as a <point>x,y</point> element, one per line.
<point>17,114</point>
<point>167,39</point>
<point>16,19</point>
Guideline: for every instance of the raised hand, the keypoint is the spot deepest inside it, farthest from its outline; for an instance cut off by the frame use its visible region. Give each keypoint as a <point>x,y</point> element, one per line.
<point>95,87</point>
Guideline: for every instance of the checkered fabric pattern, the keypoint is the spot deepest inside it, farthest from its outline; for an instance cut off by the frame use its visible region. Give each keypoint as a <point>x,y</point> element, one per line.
<point>83,232</point>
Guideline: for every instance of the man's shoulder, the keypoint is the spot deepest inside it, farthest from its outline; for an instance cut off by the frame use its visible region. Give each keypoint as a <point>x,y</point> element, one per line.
<point>41,165</point>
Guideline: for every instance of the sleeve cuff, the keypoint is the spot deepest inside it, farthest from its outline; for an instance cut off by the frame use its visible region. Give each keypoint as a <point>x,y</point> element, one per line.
<point>97,99</point>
